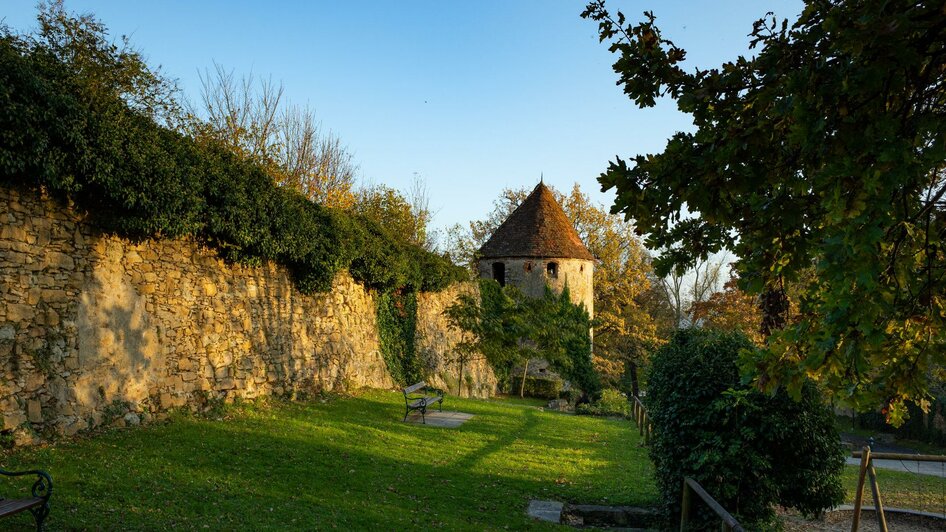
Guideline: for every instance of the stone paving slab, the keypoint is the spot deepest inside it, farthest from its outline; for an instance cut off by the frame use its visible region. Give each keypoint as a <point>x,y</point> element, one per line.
<point>445,419</point>
<point>549,511</point>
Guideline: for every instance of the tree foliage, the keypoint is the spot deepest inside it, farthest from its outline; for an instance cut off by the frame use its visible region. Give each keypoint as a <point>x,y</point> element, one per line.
<point>394,211</point>
<point>825,149</point>
<point>750,450</point>
<point>86,132</point>
<point>730,309</point>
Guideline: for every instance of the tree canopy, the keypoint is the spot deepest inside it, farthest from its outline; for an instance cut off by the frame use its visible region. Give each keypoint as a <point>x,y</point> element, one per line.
<point>824,151</point>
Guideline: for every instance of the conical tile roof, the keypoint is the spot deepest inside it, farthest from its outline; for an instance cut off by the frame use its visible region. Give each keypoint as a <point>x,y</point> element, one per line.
<point>537,228</point>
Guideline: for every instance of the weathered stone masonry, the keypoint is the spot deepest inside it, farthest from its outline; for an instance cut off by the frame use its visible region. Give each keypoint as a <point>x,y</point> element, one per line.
<point>96,329</point>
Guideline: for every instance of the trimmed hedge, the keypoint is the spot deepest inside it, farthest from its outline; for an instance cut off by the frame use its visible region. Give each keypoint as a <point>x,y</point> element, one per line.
<point>138,179</point>
<point>749,450</point>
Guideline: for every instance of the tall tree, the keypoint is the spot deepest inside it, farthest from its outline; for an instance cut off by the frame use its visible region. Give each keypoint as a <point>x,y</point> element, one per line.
<point>825,149</point>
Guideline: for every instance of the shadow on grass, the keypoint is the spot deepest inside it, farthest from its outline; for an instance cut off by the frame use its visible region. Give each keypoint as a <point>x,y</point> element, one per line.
<point>350,464</point>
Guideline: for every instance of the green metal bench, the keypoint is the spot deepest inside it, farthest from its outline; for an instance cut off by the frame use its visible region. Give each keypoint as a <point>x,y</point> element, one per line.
<point>38,504</point>
<point>415,401</point>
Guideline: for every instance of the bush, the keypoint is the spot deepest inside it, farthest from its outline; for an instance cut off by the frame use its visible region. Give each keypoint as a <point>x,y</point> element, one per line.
<point>540,387</point>
<point>750,451</point>
<point>611,403</point>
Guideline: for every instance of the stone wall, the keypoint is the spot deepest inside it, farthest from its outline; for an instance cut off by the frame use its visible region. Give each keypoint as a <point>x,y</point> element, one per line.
<point>95,329</point>
<point>435,345</point>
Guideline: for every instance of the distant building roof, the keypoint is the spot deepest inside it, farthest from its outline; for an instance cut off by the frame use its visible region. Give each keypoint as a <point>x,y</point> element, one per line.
<point>537,228</point>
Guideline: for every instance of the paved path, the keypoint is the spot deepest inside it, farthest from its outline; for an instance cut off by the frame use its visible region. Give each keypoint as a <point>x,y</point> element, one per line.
<point>912,466</point>
<point>935,469</point>
<point>445,419</point>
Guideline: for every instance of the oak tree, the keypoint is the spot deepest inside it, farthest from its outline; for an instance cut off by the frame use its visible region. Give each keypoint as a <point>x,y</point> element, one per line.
<point>825,150</point>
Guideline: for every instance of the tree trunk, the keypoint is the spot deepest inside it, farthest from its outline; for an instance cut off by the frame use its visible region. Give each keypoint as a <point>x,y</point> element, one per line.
<point>522,387</point>
<point>460,379</point>
<point>635,386</point>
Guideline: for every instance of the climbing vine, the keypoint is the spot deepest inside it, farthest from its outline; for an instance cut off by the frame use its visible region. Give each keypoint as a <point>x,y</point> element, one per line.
<point>397,330</point>
<point>509,328</point>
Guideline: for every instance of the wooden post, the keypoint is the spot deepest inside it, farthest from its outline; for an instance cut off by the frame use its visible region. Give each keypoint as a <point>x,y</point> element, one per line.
<point>685,507</point>
<point>859,494</point>
<point>643,422</point>
<point>878,505</point>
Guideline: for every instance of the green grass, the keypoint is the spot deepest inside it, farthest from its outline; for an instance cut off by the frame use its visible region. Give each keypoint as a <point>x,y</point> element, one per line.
<point>348,463</point>
<point>899,489</point>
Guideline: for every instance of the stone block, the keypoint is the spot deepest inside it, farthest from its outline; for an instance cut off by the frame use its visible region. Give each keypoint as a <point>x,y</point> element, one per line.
<point>20,312</point>
<point>11,420</point>
<point>56,259</point>
<point>34,411</point>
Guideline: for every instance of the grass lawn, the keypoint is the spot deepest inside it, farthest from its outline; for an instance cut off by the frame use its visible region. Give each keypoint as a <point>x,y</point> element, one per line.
<point>900,489</point>
<point>348,463</point>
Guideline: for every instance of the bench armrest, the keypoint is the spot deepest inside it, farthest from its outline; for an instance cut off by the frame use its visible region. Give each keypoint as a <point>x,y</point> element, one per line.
<point>437,391</point>
<point>42,488</point>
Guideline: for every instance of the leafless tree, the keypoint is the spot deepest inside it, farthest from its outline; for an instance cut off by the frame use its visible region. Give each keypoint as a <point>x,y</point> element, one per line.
<point>696,285</point>
<point>250,117</point>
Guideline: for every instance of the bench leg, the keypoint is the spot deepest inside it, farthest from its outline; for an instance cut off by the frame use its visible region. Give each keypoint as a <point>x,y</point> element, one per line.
<point>423,414</point>
<point>441,404</point>
<point>407,410</point>
<point>39,514</point>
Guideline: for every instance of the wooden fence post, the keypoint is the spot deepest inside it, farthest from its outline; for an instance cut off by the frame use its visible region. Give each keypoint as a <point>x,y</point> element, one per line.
<point>685,507</point>
<point>878,505</point>
<point>859,494</point>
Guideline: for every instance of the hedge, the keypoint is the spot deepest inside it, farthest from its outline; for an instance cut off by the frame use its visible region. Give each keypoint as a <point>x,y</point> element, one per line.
<point>749,450</point>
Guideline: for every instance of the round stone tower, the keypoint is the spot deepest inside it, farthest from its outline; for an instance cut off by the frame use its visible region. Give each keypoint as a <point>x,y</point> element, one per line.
<point>537,246</point>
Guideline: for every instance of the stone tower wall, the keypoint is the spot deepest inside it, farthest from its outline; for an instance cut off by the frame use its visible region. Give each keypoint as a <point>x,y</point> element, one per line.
<point>95,329</point>
<point>530,275</point>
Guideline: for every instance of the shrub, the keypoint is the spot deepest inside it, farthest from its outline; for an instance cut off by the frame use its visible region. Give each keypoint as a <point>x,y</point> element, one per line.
<point>540,387</point>
<point>611,403</point>
<point>748,450</point>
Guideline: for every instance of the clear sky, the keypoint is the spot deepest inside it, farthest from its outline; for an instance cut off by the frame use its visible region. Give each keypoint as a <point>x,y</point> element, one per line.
<point>473,96</point>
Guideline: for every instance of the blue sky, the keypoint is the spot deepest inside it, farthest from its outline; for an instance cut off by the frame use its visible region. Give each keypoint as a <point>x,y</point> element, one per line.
<point>471,96</point>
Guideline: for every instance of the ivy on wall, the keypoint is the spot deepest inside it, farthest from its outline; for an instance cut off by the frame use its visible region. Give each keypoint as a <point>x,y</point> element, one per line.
<point>509,328</point>
<point>397,329</point>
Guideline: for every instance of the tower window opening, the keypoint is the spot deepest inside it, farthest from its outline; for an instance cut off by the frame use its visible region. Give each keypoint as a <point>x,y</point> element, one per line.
<point>499,273</point>
<point>552,270</point>
<point>528,266</point>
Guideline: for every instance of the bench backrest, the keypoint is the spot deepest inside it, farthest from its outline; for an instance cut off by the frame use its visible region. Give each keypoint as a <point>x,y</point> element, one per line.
<point>413,388</point>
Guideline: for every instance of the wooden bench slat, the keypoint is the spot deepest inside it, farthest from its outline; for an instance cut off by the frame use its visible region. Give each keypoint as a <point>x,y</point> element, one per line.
<point>415,387</point>
<point>12,506</point>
